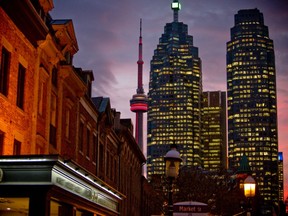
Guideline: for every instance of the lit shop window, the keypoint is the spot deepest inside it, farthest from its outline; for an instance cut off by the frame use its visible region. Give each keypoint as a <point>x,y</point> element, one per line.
<point>14,206</point>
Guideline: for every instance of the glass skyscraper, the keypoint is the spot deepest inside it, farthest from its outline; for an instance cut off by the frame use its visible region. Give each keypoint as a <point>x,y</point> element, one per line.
<point>252,109</point>
<point>281,176</point>
<point>175,88</point>
<point>214,129</point>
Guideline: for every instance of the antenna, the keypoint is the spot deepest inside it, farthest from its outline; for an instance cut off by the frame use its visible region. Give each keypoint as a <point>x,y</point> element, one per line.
<point>140,63</point>
<point>141,27</point>
<point>175,6</point>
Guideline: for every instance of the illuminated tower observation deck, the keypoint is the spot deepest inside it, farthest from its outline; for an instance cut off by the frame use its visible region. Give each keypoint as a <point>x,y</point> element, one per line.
<point>139,102</point>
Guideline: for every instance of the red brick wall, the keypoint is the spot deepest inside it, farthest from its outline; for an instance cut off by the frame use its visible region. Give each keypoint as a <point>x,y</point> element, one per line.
<point>16,123</point>
<point>68,148</point>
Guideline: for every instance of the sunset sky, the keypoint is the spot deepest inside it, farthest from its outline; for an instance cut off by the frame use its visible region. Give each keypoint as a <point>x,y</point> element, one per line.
<point>108,31</point>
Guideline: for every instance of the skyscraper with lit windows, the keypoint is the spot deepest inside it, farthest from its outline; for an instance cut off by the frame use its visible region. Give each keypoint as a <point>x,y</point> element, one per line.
<point>214,129</point>
<point>175,88</point>
<point>252,109</point>
<point>281,176</point>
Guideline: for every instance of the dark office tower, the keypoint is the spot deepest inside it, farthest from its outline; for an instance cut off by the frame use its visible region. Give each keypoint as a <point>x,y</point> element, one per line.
<point>175,90</point>
<point>214,134</point>
<point>252,109</point>
<point>281,176</point>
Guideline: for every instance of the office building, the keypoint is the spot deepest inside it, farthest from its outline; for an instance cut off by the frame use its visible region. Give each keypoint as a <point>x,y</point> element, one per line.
<point>281,176</point>
<point>214,133</point>
<point>175,88</point>
<point>252,108</point>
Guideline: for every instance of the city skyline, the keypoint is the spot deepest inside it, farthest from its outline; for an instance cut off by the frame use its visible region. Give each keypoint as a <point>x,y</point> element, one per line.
<point>113,33</point>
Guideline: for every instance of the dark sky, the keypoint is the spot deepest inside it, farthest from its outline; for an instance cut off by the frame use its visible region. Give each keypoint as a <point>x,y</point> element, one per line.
<point>107,33</point>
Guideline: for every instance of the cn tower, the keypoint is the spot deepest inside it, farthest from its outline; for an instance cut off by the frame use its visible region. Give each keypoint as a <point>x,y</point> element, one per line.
<point>139,101</point>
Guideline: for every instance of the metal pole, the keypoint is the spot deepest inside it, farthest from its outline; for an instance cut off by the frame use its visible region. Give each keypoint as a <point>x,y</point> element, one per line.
<point>170,199</point>
<point>249,207</point>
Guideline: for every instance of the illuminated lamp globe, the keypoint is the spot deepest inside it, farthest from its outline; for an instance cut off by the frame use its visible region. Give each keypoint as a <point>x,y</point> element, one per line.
<point>172,162</point>
<point>249,187</point>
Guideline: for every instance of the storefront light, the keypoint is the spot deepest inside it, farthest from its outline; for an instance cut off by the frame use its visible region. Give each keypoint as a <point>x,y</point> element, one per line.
<point>93,181</point>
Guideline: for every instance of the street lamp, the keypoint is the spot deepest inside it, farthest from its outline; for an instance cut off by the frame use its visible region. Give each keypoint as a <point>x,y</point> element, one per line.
<point>249,191</point>
<point>249,187</point>
<point>172,164</point>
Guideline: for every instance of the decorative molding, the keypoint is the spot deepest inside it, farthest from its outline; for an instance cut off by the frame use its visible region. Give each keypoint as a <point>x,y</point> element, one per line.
<point>1,175</point>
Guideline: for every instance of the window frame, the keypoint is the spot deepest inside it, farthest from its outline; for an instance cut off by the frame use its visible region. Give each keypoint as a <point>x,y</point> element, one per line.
<point>21,86</point>
<point>17,147</point>
<point>4,71</point>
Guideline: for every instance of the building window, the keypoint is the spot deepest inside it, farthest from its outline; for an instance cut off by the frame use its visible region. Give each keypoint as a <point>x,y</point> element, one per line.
<point>20,86</point>
<point>54,76</point>
<point>53,108</point>
<point>88,142</point>
<point>1,142</point>
<point>43,91</point>
<point>68,58</point>
<point>67,123</point>
<point>111,170</point>
<point>53,128</point>
<point>67,120</point>
<point>114,171</point>
<point>95,144</point>
<point>52,135</point>
<point>81,131</point>
<point>40,98</point>
<point>17,147</point>
<point>108,164</point>
<point>4,70</point>
<point>101,160</point>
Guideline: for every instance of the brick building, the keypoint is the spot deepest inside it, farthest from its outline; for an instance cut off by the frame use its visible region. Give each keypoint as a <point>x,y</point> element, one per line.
<point>62,151</point>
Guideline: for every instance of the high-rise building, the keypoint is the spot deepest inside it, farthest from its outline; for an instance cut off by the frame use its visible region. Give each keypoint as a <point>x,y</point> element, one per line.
<point>175,89</point>
<point>281,176</point>
<point>252,108</point>
<point>214,134</point>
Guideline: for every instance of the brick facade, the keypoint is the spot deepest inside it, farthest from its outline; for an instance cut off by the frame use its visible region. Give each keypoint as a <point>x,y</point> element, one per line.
<point>59,116</point>
<point>15,122</point>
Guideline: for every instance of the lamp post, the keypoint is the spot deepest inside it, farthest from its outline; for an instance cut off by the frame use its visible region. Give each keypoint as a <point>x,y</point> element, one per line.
<point>172,164</point>
<point>249,191</point>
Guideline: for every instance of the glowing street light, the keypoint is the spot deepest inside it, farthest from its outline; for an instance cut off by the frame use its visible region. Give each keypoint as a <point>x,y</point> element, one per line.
<point>249,191</point>
<point>172,164</point>
<point>249,187</point>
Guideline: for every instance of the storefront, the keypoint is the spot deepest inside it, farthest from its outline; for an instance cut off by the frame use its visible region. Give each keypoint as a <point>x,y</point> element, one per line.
<point>49,186</point>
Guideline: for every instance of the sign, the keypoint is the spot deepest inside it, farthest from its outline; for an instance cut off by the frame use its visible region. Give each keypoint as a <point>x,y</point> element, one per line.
<point>191,209</point>
<point>76,186</point>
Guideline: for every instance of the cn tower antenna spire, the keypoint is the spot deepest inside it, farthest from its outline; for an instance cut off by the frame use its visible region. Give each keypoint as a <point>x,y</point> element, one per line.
<point>140,63</point>
<point>140,28</point>
<point>139,101</point>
